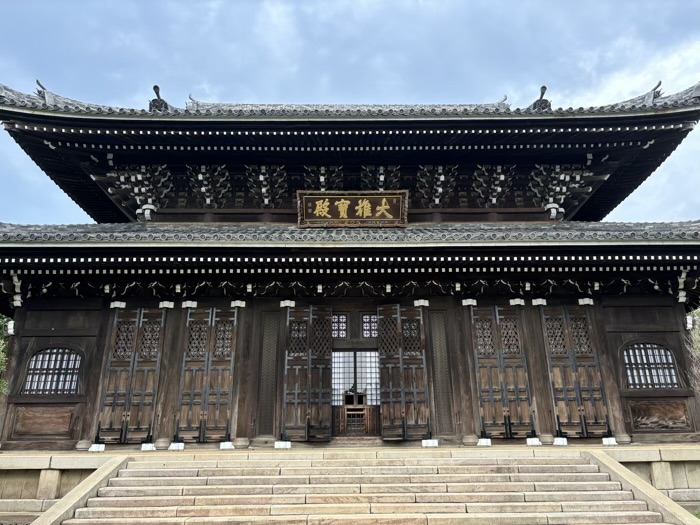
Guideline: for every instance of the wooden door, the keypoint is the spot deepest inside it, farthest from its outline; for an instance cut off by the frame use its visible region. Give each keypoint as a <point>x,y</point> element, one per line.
<point>404,411</point>
<point>574,370</point>
<point>296,375</point>
<point>320,375</point>
<point>206,379</point>
<point>308,375</point>
<point>127,409</point>
<point>504,390</point>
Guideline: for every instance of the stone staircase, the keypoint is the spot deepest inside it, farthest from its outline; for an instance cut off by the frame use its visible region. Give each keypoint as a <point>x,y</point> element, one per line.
<point>395,486</point>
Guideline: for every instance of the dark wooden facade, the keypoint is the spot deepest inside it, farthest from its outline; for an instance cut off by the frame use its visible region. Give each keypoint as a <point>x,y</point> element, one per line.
<point>445,371</point>
<point>200,311</point>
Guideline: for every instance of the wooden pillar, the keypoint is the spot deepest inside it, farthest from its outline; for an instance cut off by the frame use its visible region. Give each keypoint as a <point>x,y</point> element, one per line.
<point>464,376</point>
<point>538,368</point>
<point>240,414</point>
<point>609,374</point>
<point>169,377</point>
<point>12,367</point>
<point>445,412</point>
<point>97,360</point>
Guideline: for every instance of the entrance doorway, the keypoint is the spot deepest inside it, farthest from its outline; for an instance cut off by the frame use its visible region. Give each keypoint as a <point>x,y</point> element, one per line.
<point>355,373</point>
<point>355,397</point>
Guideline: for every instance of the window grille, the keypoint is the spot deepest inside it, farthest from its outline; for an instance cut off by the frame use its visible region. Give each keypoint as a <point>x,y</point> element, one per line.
<point>370,325</point>
<point>648,365</point>
<point>339,325</point>
<point>53,371</point>
<point>355,378</point>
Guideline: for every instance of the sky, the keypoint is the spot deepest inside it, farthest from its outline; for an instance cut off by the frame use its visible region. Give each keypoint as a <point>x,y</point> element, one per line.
<point>588,52</point>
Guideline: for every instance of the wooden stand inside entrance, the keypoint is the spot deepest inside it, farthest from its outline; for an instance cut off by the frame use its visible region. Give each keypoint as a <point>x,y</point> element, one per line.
<point>355,420</point>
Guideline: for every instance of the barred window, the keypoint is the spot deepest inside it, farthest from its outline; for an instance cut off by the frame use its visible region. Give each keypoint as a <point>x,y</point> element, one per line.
<point>339,325</point>
<point>370,325</point>
<point>648,365</point>
<point>53,371</point>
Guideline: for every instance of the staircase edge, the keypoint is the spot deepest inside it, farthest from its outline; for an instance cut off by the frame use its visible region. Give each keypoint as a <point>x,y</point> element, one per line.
<point>64,508</point>
<point>656,501</point>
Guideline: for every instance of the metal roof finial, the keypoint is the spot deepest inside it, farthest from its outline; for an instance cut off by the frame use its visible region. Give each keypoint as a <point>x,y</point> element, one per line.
<point>158,104</point>
<point>541,104</point>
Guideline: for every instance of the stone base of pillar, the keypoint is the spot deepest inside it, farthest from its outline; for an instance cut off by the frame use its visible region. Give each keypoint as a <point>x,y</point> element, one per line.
<point>83,445</point>
<point>470,440</point>
<point>623,439</point>
<point>241,443</point>
<point>547,439</point>
<point>162,443</point>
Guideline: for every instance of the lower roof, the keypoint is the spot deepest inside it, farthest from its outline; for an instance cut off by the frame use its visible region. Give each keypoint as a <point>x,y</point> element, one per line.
<point>226,235</point>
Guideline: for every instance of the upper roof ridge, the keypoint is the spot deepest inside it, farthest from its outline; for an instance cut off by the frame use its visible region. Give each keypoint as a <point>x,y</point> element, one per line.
<point>49,101</point>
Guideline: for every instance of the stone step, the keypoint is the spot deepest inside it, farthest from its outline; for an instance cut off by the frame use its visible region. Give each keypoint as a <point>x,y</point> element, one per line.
<point>602,512</point>
<point>362,519</point>
<point>216,490</point>
<point>561,477</point>
<point>159,473</point>
<point>589,495</point>
<point>572,518</point>
<point>130,492</point>
<point>576,486</point>
<point>178,501</point>
<point>237,520</point>
<point>281,462</point>
<point>156,482</point>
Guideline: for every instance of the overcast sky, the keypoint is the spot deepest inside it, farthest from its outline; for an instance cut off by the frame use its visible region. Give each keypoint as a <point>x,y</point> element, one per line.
<point>350,51</point>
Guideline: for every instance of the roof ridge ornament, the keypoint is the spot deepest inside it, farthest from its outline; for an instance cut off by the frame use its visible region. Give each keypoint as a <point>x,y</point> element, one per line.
<point>158,104</point>
<point>541,104</point>
<point>48,97</point>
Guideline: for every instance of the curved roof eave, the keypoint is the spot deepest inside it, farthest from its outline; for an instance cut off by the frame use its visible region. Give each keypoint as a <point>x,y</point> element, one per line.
<point>45,103</point>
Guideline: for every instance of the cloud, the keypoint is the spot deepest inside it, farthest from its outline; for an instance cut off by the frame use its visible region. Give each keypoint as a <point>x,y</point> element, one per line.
<point>355,51</point>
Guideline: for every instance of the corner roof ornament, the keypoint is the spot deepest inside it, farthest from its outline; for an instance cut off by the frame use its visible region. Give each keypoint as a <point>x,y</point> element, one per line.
<point>541,104</point>
<point>158,104</point>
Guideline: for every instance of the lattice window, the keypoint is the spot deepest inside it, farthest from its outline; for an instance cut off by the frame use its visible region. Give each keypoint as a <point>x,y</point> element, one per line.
<point>124,343</point>
<point>581,336</point>
<point>484,337</point>
<point>224,338</point>
<point>53,371</point>
<point>388,341</point>
<point>322,344</point>
<point>297,338</point>
<point>411,337</point>
<point>150,339</point>
<point>648,365</point>
<point>510,337</point>
<point>339,325</point>
<point>554,326</point>
<point>370,325</point>
<point>198,338</point>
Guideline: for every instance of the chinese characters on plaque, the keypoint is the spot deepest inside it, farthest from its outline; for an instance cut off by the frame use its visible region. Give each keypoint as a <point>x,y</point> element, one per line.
<point>325,209</point>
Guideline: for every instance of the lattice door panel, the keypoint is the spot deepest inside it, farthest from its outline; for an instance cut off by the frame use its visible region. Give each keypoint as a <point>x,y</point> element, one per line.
<point>390,371</point>
<point>574,371</point>
<point>127,409</point>
<point>206,380</point>
<point>296,375</point>
<point>321,375</point>
<point>415,384</point>
<point>404,408</point>
<point>504,390</point>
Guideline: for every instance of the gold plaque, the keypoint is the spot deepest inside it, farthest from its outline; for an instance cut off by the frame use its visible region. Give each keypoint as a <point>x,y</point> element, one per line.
<point>373,209</point>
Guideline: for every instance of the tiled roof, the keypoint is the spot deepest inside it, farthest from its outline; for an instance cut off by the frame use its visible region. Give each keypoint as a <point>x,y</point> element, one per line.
<point>48,101</point>
<point>262,236</point>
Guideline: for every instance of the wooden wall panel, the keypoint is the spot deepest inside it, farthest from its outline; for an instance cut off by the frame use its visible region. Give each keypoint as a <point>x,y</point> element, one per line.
<point>441,377</point>
<point>269,328</point>
<point>43,422</point>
